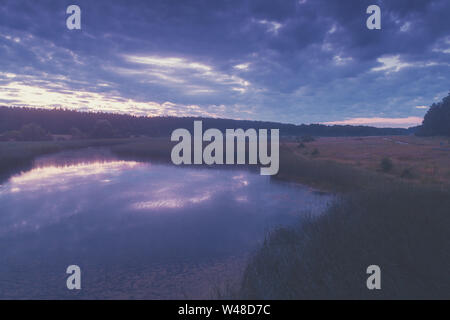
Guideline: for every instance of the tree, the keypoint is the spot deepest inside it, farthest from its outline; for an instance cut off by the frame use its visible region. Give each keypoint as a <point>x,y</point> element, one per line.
<point>76,133</point>
<point>33,132</point>
<point>437,120</point>
<point>103,129</point>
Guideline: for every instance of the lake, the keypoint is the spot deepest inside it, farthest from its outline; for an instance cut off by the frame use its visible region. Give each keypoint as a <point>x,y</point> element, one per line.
<point>138,230</point>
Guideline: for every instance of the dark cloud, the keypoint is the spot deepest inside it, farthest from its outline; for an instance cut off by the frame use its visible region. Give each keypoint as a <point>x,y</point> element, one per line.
<point>300,61</point>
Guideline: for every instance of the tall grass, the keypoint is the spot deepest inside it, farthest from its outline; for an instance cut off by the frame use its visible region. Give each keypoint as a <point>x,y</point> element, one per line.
<point>325,174</point>
<point>403,229</point>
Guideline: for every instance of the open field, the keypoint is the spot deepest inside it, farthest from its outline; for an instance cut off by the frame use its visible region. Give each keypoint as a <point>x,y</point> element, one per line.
<point>424,160</point>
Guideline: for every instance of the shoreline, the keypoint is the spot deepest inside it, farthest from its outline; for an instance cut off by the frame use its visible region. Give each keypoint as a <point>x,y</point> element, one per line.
<point>326,175</point>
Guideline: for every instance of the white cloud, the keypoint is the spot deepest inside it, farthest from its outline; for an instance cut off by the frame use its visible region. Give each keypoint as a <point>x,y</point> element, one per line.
<point>17,90</point>
<point>241,90</point>
<point>395,64</point>
<point>272,26</point>
<point>191,77</point>
<point>405,27</point>
<point>338,60</point>
<point>391,64</point>
<point>50,95</point>
<point>332,29</point>
<point>242,66</point>
<point>168,62</point>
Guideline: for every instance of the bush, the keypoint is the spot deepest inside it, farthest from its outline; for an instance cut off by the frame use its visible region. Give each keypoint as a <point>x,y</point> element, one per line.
<point>407,173</point>
<point>307,139</point>
<point>386,164</point>
<point>315,152</point>
<point>33,132</point>
<point>77,133</point>
<point>103,129</point>
<point>13,135</point>
<point>301,145</point>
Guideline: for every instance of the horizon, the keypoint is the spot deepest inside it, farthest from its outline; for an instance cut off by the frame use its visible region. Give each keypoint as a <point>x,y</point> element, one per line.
<point>206,118</point>
<point>296,62</point>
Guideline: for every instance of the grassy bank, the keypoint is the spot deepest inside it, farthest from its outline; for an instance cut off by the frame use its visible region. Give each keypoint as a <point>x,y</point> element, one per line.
<point>379,219</point>
<point>323,174</point>
<point>326,175</point>
<point>158,149</point>
<point>401,228</point>
<point>417,159</point>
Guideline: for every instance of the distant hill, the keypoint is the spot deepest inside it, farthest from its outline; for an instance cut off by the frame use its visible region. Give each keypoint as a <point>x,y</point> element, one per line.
<point>62,121</point>
<point>437,120</point>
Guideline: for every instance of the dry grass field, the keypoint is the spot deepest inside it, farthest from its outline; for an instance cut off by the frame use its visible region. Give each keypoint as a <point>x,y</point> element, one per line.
<point>420,159</point>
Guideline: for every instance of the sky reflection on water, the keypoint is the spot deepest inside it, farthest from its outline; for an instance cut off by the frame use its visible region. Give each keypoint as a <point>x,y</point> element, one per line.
<point>120,219</point>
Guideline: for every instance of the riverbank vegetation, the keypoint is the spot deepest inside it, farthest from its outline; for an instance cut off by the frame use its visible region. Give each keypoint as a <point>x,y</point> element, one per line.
<point>339,165</point>
<point>382,217</point>
<point>399,227</point>
<point>419,160</point>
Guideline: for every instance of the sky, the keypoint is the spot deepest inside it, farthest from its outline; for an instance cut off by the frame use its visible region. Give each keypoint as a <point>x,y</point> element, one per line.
<point>299,61</point>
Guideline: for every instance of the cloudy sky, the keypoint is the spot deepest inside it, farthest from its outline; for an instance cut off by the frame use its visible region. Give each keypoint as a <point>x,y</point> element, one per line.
<point>299,61</point>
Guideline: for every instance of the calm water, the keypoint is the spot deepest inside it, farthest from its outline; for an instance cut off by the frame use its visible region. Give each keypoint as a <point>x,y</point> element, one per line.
<point>137,230</point>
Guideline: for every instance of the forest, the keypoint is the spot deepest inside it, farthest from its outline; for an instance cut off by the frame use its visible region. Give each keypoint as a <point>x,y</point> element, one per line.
<point>23,123</point>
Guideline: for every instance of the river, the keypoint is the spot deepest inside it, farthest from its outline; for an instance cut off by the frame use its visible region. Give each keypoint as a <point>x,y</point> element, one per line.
<point>137,230</point>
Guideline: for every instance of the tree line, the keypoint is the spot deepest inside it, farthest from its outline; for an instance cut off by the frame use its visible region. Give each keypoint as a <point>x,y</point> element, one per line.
<point>437,120</point>
<point>24,123</point>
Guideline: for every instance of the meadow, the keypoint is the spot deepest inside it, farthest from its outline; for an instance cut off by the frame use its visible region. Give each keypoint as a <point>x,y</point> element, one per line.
<point>424,160</point>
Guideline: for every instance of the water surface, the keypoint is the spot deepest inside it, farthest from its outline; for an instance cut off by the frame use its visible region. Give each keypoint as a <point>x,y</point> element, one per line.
<point>136,229</point>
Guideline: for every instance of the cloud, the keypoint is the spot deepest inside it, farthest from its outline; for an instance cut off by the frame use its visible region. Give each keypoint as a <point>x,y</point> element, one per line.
<point>291,61</point>
<point>272,26</point>
<point>391,64</point>
<point>187,76</point>
<point>380,122</point>
<point>242,66</point>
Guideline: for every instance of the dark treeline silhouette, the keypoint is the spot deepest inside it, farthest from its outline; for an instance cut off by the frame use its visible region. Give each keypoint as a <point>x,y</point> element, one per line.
<point>105,125</point>
<point>437,120</point>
